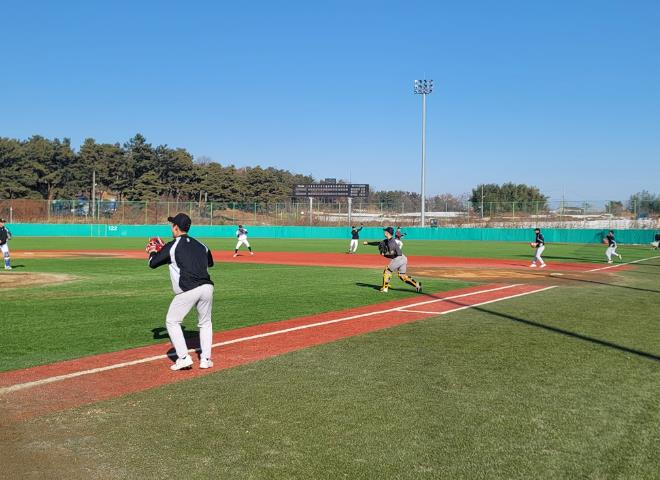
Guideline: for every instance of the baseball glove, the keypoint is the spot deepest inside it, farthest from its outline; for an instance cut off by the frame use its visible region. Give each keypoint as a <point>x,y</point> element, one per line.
<point>155,245</point>
<point>384,249</point>
<point>533,244</point>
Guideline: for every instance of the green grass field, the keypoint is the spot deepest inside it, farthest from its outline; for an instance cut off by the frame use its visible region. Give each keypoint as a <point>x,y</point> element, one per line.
<point>554,252</point>
<point>560,384</point>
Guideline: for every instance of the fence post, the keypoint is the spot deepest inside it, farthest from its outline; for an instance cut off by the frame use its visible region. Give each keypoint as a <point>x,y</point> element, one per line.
<point>146,211</point>
<point>255,213</point>
<point>211,213</point>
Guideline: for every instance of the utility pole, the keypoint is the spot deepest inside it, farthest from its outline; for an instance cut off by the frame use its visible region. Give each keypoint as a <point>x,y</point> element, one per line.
<point>93,193</point>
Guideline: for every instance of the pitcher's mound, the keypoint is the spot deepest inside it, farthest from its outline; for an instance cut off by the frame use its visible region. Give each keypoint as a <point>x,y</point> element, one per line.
<point>15,279</point>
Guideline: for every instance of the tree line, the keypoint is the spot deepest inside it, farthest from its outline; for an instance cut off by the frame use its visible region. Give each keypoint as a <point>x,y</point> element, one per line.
<point>41,168</point>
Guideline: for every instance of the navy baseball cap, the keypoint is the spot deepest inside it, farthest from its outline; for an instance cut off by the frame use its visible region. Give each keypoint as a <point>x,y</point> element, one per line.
<point>181,220</point>
<point>389,229</point>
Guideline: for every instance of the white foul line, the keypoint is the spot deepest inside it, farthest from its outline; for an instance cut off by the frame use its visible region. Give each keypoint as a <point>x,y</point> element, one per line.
<point>622,264</point>
<point>44,381</point>
<point>403,309</point>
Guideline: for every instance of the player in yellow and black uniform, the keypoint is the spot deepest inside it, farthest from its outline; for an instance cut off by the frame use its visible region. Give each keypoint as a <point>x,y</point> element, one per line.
<point>398,263</point>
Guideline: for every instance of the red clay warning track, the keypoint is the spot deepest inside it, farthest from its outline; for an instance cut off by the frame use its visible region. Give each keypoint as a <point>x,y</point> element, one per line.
<point>36,391</point>
<point>323,259</point>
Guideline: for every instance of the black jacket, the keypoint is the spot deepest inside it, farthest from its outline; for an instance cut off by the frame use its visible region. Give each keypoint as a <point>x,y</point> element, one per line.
<point>188,260</point>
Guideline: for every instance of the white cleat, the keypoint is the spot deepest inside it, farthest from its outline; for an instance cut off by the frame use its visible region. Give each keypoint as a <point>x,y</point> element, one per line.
<point>251,253</point>
<point>543,265</point>
<point>235,255</point>
<point>7,268</point>
<point>609,261</point>
<point>205,363</point>
<point>384,290</point>
<point>182,363</point>
<point>533,265</point>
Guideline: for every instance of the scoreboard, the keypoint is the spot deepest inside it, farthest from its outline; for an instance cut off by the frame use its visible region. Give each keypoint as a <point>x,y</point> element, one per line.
<point>332,190</point>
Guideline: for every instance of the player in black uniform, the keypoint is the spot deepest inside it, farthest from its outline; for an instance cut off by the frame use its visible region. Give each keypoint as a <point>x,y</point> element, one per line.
<point>188,261</point>
<point>398,235</point>
<point>539,244</point>
<point>611,247</point>
<point>5,236</point>
<point>355,237</point>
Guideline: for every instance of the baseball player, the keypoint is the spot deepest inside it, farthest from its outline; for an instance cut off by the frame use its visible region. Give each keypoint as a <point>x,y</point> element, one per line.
<point>611,247</point>
<point>399,262</point>
<point>398,235</point>
<point>355,238</point>
<point>188,260</point>
<point>241,235</point>
<point>539,244</point>
<point>5,236</point>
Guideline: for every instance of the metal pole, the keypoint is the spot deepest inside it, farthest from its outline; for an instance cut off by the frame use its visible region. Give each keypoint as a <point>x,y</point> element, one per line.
<point>423,159</point>
<point>311,206</point>
<point>93,193</point>
<point>482,201</point>
<point>350,211</point>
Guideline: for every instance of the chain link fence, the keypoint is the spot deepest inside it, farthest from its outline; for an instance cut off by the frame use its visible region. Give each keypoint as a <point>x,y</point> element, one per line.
<point>559,214</point>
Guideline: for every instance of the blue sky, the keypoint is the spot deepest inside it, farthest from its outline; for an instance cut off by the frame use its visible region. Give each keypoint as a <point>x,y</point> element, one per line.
<point>564,95</point>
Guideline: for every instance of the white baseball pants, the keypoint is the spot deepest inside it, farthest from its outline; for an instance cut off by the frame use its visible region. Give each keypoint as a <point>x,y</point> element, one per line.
<point>611,250</point>
<point>353,246</point>
<point>537,257</point>
<point>202,298</point>
<point>242,242</point>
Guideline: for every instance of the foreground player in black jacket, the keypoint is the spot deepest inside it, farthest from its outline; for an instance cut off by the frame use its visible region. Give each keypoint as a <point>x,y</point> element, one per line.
<point>188,260</point>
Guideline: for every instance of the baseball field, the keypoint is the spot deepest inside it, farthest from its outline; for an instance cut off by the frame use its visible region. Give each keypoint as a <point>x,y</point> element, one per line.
<point>496,370</point>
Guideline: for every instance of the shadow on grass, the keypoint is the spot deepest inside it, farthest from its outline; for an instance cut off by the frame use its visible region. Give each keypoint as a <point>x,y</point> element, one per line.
<point>377,287</point>
<point>192,339</point>
<point>561,331</point>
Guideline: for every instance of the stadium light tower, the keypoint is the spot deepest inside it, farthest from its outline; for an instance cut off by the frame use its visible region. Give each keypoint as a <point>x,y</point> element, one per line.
<point>423,88</point>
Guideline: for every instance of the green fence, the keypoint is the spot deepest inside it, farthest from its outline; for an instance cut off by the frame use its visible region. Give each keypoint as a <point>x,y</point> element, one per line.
<point>206,231</point>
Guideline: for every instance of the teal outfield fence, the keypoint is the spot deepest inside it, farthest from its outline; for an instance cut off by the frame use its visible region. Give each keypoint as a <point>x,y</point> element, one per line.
<point>557,235</point>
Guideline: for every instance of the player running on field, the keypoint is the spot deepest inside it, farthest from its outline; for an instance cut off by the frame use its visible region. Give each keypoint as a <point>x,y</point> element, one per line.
<point>5,236</point>
<point>398,235</point>
<point>188,260</point>
<point>539,244</point>
<point>355,237</point>
<point>241,235</point>
<point>611,247</point>
<point>398,263</point>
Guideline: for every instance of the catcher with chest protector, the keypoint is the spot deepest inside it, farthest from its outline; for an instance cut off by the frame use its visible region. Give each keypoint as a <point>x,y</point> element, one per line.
<point>389,248</point>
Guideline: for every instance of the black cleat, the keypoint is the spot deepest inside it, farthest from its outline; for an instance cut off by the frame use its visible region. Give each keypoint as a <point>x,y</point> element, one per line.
<point>419,287</point>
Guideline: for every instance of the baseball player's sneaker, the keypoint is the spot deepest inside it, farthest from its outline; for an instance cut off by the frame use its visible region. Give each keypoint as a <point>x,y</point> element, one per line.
<point>7,268</point>
<point>543,265</point>
<point>384,289</point>
<point>235,255</point>
<point>182,363</point>
<point>419,287</point>
<point>533,265</point>
<point>609,261</point>
<point>205,363</point>
<point>251,253</point>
